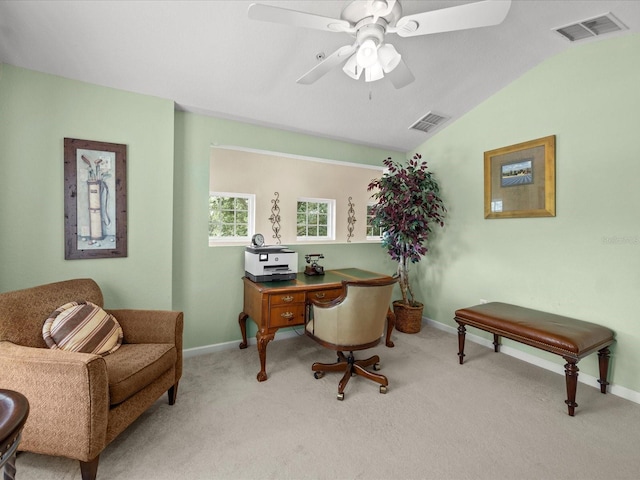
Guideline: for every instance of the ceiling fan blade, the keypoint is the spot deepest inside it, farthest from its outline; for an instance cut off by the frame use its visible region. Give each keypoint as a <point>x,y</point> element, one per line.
<point>401,76</point>
<point>268,13</point>
<point>461,17</point>
<point>336,58</point>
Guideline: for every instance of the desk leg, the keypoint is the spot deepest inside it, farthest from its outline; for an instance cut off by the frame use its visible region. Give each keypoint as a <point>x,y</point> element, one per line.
<point>242,320</point>
<point>263,340</point>
<point>571,375</point>
<point>391,322</point>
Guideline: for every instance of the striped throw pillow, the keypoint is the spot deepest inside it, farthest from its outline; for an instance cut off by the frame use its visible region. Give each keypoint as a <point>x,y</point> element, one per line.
<point>82,327</point>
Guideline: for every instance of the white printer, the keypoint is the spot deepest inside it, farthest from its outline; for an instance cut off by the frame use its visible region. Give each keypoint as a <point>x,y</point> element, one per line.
<point>270,263</point>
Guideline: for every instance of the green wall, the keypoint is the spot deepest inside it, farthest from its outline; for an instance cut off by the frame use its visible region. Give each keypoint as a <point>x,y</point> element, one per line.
<point>207,280</point>
<point>37,112</point>
<point>169,263</point>
<point>585,262</point>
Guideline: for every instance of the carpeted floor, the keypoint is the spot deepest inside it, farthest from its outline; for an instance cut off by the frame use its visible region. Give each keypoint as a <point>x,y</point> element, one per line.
<point>495,417</point>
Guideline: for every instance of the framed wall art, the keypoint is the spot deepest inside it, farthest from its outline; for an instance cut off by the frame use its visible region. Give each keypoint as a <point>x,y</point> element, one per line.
<point>520,180</point>
<point>95,200</point>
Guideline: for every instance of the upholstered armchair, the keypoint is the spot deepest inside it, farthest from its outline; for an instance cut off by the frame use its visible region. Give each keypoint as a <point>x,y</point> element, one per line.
<point>80,402</point>
<point>353,321</point>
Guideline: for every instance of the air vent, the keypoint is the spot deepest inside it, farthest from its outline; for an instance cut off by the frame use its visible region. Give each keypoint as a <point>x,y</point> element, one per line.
<point>592,27</point>
<point>429,122</point>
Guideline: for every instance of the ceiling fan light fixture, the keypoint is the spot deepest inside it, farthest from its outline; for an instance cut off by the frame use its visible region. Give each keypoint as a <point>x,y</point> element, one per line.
<point>367,54</point>
<point>388,57</point>
<point>369,21</point>
<point>373,73</point>
<point>352,68</point>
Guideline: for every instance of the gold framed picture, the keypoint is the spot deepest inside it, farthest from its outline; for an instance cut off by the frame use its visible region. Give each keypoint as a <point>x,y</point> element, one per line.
<point>520,180</point>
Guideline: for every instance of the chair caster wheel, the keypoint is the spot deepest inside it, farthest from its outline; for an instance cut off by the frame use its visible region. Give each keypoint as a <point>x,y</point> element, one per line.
<point>318,375</point>
<point>340,396</point>
<point>376,366</point>
<point>383,389</point>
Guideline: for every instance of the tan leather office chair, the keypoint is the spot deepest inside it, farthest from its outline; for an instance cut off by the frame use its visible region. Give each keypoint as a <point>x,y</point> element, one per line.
<point>353,321</point>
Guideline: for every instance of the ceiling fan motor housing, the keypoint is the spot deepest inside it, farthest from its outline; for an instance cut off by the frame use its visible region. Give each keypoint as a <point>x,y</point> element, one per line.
<point>367,24</point>
<point>373,31</point>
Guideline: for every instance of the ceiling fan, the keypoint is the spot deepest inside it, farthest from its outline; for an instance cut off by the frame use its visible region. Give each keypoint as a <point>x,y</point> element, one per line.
<point>369,21</point>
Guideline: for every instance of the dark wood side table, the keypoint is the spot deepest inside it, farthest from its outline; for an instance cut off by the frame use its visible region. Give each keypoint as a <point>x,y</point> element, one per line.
<point>275,305</point>
<point>14,410</point>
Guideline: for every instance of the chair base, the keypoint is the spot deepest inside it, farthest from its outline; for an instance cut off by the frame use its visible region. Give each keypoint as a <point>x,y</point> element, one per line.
<point>350,366</point>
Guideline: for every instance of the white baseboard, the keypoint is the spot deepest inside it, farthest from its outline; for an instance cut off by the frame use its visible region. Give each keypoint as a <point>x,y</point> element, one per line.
<point>617,390</point>
<point>218,347</point>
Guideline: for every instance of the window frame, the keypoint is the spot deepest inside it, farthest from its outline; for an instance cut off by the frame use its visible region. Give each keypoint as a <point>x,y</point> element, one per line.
<point>368,225</point>
<point>331,220</point>
<point>251,219</point>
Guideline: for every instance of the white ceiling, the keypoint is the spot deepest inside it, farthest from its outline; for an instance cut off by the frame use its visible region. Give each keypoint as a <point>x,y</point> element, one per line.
<point>209,58</point>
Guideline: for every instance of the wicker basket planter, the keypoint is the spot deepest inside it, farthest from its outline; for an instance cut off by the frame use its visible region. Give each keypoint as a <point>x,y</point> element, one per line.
<point>408,318</point>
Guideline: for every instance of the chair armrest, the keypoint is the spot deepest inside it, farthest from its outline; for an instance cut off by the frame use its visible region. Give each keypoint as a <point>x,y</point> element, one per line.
<point>328,304</point>
<point>153,326</point>
<point>68,396</point>
<point>150,326</point>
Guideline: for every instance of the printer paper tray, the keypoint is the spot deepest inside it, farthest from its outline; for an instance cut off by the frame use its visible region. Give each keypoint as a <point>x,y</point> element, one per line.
<point>275,277</point>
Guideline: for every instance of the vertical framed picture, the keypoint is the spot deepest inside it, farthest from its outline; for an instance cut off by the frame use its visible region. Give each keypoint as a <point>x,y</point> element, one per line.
<point>95,200</point>
<point>520,180</point>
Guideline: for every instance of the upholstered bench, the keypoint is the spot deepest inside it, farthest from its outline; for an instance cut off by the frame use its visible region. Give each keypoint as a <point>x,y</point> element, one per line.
<point>570,338</point>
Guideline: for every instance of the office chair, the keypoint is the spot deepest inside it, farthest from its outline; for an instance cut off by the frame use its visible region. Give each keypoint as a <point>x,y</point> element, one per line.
<point>353,321</point>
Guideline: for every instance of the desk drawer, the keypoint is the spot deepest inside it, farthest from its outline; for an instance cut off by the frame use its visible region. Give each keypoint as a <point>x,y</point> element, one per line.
<point>286,315</point>
<point>325,295</point>
<point>286,298</point>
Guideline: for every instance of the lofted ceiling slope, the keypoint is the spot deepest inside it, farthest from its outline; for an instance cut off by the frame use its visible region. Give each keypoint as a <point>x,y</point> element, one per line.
<point>210,58</point>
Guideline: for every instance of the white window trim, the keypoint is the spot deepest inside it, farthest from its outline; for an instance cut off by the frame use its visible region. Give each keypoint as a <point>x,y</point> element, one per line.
<point>251,197</point>
<point>376,238</point>
<point>331,223</point>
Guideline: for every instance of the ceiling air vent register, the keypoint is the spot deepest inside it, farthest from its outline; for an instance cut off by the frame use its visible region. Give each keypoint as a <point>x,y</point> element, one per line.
<point>429,122</point>
<point>593,27</point>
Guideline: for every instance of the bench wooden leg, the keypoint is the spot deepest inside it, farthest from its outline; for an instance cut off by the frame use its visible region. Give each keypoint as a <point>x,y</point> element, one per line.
<point>496,342</point>
<point>603,362</point>
<point>571,375</point>
<point>461,335</point>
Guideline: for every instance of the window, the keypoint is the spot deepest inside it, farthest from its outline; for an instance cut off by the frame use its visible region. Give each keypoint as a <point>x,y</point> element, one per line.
<point>280,180</point>
<point>231,217</point>
<point>373,232</point>
<point>315,219</point>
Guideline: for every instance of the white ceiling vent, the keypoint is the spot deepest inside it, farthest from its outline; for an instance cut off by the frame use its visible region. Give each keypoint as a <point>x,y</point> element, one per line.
<point>593,27</point>
<point>429,122</point>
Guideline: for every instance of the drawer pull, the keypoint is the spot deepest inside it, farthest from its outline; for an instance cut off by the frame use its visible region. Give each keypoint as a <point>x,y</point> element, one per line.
<point>287,299</point>
<point>320,295</point>
<point>287,315</point>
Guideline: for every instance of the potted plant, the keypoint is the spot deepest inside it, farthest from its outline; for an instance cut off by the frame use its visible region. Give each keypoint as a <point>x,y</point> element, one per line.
<point>408,206</point>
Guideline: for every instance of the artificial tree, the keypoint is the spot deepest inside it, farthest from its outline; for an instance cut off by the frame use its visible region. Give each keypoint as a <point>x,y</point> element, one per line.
<point>408,206</point>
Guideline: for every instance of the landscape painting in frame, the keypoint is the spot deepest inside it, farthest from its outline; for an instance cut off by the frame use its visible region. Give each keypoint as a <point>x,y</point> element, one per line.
<point>95,199</point>
<point>519,180</point>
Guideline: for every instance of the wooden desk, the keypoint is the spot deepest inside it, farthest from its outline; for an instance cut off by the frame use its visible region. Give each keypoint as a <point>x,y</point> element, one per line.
<point>274,305</point>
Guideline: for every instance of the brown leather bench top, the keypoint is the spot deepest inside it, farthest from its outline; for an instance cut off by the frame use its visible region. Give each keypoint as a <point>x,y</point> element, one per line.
<point>544,329</point>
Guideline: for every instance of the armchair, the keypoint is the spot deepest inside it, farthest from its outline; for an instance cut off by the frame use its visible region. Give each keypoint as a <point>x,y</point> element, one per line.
<point>79,402</point>
<point>353,321</point>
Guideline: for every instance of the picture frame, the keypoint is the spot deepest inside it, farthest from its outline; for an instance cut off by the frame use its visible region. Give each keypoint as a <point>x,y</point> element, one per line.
<point>95,199</point>
<point>519,180</point>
